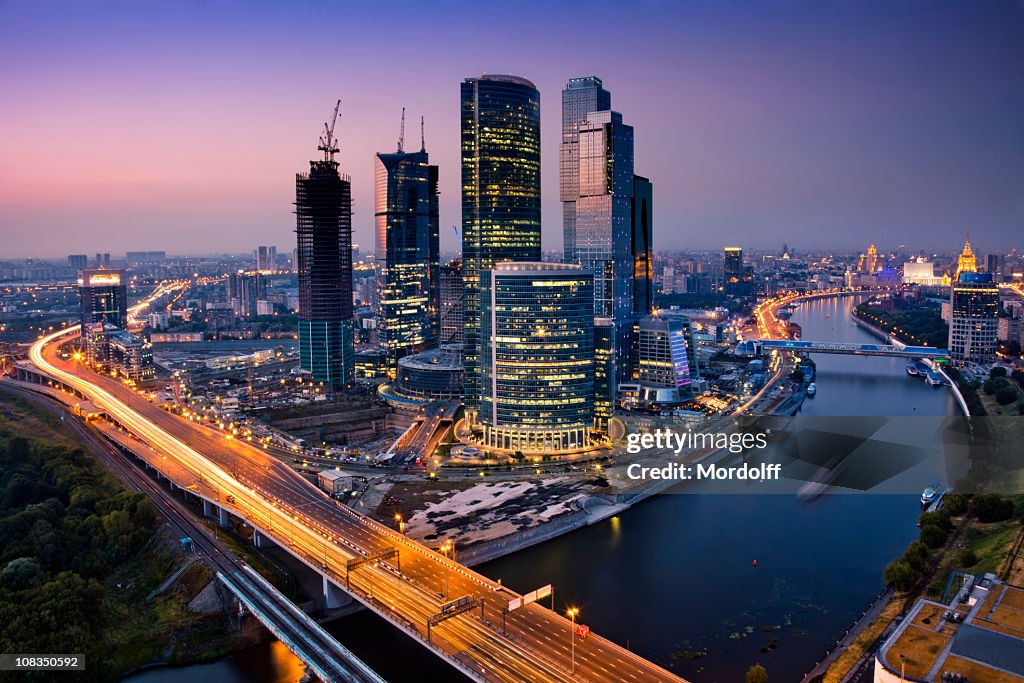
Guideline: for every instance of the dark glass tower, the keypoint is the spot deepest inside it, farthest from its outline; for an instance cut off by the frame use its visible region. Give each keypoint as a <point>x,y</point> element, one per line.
<point>500,192</point>
<point>323,212</point>
<point>580,97</point>
<point>408,254</point>
<point>642,240</point>
<point>104,297</point>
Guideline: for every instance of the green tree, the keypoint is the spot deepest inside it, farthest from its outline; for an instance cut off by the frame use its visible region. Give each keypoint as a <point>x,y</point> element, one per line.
<point>955,504</point>
<point>916,555</point>
<point>1006,396</point>
<point>901,575</point>
<point>968,558</point>
<point>933,536</point>
<point>997,371</point>
<point>757,674</point>
<point>991,507</point>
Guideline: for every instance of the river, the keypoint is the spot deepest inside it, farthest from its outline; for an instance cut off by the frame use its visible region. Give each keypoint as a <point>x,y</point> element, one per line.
<point>674,578</point>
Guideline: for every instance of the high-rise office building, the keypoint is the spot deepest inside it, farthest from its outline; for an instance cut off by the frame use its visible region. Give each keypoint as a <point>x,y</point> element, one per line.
<point>78,261</point>
<point>974,318</point>
<point>733,272</point>
<point>451,303</point>
<point>266,258</point>
<point>500,192</point>
<point>537,357</point>
<point>662,359</point>
<point>244,290</point>
<point>995,264</point>
<point>407,254</point>
<point>604,372</point>
<point>580,97</point>
<point>104,297</point>
<point>604,223</point>
<point>102,260</point>
<point>323,213</point>
<point>641,248</point>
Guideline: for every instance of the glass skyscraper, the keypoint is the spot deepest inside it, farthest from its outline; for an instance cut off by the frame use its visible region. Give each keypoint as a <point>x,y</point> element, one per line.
<point>580,97</point>
<point>323,213</point>
<point>642,246</point>
<point>974,318</point>
<point>104,298</point>
<point>537,357</point>
<point>407,254</point>
<point>500,192</point>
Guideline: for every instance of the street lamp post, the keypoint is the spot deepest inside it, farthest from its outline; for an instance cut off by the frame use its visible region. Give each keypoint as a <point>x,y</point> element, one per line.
<point>572,612</point>
<point>445,549</point>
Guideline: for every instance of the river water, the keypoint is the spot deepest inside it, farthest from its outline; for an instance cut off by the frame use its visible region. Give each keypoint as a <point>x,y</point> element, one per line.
<point>674,578</point>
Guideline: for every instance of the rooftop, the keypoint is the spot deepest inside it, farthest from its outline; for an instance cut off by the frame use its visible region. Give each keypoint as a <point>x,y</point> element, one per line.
<point>979,635</point>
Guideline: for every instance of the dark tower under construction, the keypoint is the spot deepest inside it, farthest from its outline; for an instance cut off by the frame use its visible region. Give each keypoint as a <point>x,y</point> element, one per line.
<point>323,212</point>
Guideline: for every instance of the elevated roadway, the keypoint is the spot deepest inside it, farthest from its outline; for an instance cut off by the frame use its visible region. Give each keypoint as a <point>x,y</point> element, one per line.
<point>533,643</point>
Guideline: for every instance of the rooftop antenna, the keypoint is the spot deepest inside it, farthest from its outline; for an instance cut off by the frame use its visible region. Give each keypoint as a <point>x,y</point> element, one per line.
<point>423,137</point>
<point>401,135</point>
<point>328,143</point>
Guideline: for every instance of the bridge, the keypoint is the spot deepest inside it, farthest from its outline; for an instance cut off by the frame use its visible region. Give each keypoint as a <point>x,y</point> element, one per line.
<point>239,483</point>
<point>899,351</point>
<point>322,654</point>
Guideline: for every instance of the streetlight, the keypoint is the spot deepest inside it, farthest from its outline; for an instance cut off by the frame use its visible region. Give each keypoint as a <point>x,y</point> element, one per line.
<point>446,548</point>
<point>571,613</point>
<point>401,524</point>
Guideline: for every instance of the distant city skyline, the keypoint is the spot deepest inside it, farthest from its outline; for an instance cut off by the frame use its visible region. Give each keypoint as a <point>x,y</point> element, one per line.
<point>815,124</point>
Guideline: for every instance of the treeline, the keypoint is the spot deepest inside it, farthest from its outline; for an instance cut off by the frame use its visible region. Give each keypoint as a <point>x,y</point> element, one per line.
<point>906,573</point>
<point>917,324</point>
<point>65,526</point>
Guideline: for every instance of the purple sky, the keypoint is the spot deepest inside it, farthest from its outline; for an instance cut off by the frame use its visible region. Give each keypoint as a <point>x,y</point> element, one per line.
<point>179,126</point>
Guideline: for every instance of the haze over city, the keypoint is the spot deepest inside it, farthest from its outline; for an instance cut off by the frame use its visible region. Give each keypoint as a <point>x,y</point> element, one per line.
<point>818,125</point>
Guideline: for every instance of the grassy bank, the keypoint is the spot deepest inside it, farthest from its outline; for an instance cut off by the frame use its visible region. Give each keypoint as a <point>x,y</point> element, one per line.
<point>79,553</point>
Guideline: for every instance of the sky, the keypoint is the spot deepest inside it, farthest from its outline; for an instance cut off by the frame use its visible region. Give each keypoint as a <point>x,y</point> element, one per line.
<point>819,123</point>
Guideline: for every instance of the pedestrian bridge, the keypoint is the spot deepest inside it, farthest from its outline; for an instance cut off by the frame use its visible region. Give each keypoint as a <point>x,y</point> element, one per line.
<point>899,351</point>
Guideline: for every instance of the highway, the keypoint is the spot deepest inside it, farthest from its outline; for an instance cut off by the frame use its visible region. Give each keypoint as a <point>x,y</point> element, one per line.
<point>303,636</point>
<point>254,485</point>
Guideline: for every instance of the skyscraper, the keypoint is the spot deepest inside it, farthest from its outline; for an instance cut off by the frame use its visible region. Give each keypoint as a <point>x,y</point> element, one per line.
<point>244,290</point>
<point>732,272</point>
<point>407,254</point>
<point>266,258</point>
<point>78,261</point>
<point>537,357</point>
<point>641,248</point>
<point>580,97</point>
<point>104,297</point>
<point>500,192</point>
<point>974,318</point>
<point>451,303</point>
<point>323,212</point>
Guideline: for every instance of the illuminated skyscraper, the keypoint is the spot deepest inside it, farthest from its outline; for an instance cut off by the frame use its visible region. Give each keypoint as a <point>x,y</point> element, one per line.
<point>451,303</point>
<point>323,212</point>
<point>967,262</point>
<point>104,297</point>
<point>580,97</point>
<point>500,192</point>
<point>642,246</point>
<point>407,253</point>
<point>537,357</point>
<point>974,318</point>
<point>733,275</point>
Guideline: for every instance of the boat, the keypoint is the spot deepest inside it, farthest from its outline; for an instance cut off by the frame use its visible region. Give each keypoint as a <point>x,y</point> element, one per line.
<point>812,389</point>
<point>931,493</point>
<point>912,369</point>
<point>935,379</point>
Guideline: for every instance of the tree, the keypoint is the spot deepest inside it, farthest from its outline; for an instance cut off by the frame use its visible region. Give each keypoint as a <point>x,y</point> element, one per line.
<point>933,536</point>
<point>1006,396</point>
<point>797,375</point>
<point>956,504</point>
<point>968,558</point>
<point>757,674</point>
<point>997,371</point>
<point>991,507</point>
<point>916,555</point>
<point>901,575</point>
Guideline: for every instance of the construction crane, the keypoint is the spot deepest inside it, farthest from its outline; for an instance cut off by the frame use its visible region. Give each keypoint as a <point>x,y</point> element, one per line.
<point>328,143</point>
<point>401,134</point>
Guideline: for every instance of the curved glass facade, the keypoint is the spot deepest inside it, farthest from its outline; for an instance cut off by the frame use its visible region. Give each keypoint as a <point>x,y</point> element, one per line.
<point>500,192</point>
<point>537,357</point>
